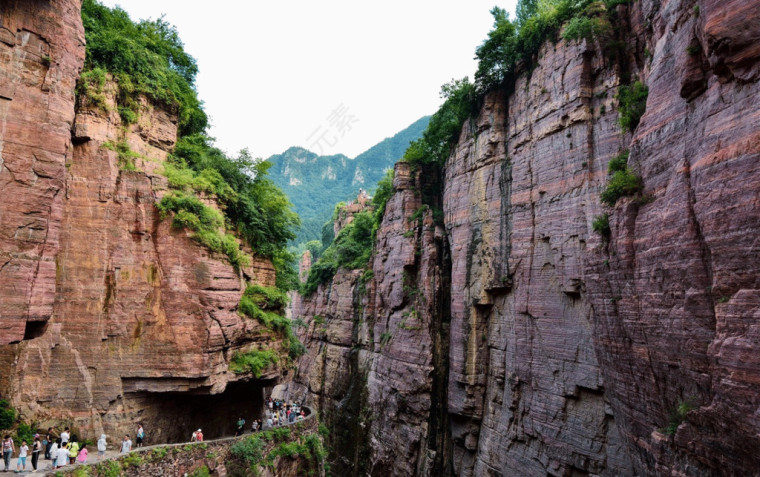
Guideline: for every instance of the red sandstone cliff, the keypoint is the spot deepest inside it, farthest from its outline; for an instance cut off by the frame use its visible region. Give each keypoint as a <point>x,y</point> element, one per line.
<point>511,341</point>
<point>114,317</point>
<point>566,354</point>
<point>41,54</point>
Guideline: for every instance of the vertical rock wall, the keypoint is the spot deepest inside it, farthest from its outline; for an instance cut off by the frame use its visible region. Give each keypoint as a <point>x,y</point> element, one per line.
<point>109,315</point>
<point>520,193</point>
<point>41,53</point>
<point>675,295</point>
<point>570,354</point>
<point>372,347</point>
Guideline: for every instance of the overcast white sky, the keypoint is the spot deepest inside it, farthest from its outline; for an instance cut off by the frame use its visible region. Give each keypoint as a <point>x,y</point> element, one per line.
<point>272,72</point>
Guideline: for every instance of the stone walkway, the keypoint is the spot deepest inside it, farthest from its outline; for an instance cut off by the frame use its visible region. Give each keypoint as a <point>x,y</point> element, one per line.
<point>44,466</point>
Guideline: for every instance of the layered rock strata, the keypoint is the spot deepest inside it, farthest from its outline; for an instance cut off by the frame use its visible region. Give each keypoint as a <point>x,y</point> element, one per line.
<point>115,316</point>
<point>675,294</point>
<point>569,353</point>
<point>41,54</point>
<point>371,350</point>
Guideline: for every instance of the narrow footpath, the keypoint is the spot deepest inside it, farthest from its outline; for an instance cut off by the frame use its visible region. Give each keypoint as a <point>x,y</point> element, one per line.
<point>44,466</point>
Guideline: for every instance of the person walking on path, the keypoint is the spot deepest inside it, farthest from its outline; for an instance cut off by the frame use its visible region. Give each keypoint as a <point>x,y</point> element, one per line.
<point>199,436</point>
<point>73,450</point>
<point>54,453</point>
<point>82,457</point>
<point>140,435</point>
<point>36,449</point>
<point>126,445</point>
<point>8,451</point>
<point>23,451</point>
<point>102,446</point>
<point>240,427</point>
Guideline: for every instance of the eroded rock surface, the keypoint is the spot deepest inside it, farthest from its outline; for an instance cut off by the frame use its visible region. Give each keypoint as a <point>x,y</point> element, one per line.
<point>41,53</point>
<point>676,310</point>
<point>117,317</point>
<point>569,354</point>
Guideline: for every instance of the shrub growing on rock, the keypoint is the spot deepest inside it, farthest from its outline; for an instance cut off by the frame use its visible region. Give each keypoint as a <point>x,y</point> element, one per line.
<point>632,104</point>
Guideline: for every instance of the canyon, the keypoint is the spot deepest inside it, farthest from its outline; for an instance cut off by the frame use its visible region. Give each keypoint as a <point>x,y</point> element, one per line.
<point>507,338</point>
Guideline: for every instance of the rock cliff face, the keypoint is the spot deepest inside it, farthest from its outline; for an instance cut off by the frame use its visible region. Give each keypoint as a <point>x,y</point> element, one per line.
<point>508,340</point>
<point>676,312</point>
<point>514,340</point>
<point>41,53</point>
<point>115,316</point>
<point>373,344</point>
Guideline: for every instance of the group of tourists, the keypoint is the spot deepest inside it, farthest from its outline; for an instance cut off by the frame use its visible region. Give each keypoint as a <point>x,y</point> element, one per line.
<point>66,449</point>
<point>61,450</point>
<point>279,413</point>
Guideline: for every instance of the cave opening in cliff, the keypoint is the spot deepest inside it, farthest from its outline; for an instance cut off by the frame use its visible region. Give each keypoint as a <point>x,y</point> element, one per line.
<point>171,417</point>
<point>34,329</point>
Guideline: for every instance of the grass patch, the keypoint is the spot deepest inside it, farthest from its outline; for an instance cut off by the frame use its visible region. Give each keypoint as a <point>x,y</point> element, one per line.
<point>90,88</point>
<point>202,471</point>
<point>267,298</point>
<point>109,468</point>
<point>253,362</point>
<point>678,416</point>
<point>205,222</point>
<point>132,460</point>
<point>618,163</point>
<point>126,156</point>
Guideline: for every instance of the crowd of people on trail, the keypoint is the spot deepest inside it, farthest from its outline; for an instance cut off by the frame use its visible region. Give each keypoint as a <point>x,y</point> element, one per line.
<point>61,450</point>
<point>65,449</point>
<point>279,413</point>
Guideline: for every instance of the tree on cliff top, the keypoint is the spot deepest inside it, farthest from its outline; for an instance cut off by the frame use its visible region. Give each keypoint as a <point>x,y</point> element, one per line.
<point>148,59</point>
<point>145,58</point>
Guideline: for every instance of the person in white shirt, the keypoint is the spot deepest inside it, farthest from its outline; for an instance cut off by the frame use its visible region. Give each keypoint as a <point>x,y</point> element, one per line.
<point>63,456</point>
<point>102,446</point>
<point>54,453</point>
<point>65,436</point>
<point>126,445</point>
<point>23,450</point>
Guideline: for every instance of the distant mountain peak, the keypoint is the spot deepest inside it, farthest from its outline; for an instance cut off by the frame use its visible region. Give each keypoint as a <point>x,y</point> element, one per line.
<point>316,183</point>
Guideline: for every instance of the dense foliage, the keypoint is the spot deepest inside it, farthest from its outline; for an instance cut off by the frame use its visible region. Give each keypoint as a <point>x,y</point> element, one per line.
<point>383,192</point>
<point>633,103</point>
<point>267,306</point>
<point>254,362</point>
<point>622,183</point>
<point>251,450</point>
<point>7,414</point>
<point>512,44</point>
<point>442,133</point>
<point>351,249</point>
<point>147,59</point>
